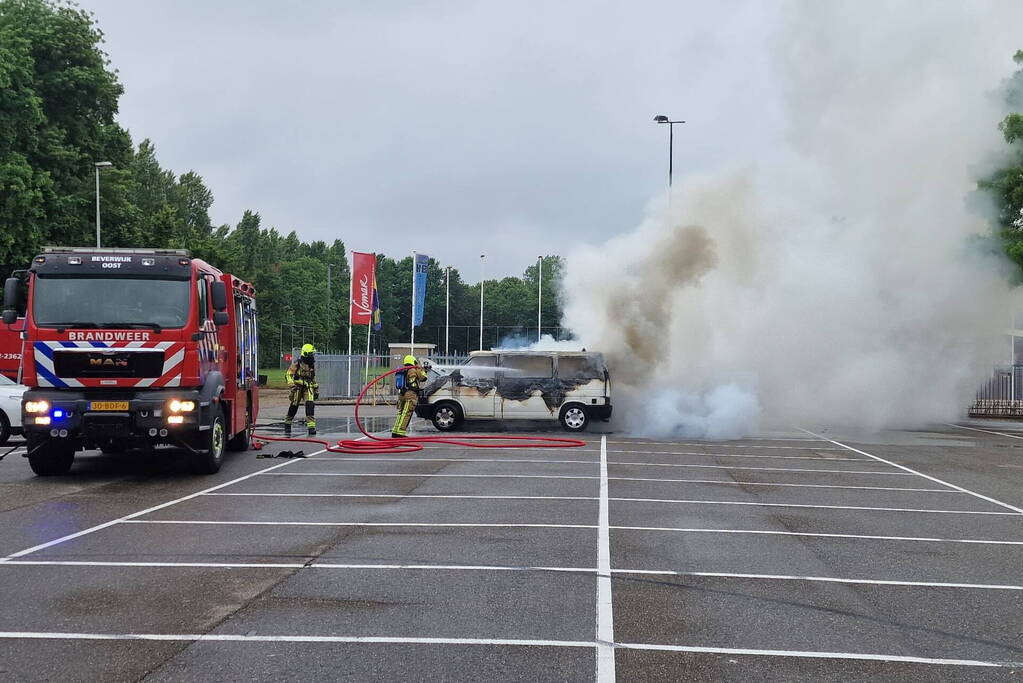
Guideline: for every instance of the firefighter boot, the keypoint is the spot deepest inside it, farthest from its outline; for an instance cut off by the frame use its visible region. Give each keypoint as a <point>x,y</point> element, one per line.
<point>312,431</point>
<point>287,429</point>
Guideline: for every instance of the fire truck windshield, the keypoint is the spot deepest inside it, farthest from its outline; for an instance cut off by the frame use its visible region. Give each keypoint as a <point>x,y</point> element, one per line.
<point>110,302</point>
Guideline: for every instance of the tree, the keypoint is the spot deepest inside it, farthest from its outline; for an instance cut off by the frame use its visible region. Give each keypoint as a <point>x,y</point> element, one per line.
<point>1006,184</point>
<point>57,105</point>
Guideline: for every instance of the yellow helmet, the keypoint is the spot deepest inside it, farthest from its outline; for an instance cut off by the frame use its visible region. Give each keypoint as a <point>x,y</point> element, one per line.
<point>308,349</point>
<point>409,360</point>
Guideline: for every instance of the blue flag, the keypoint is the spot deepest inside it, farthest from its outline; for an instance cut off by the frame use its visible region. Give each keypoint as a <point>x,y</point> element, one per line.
<point>420,268</point>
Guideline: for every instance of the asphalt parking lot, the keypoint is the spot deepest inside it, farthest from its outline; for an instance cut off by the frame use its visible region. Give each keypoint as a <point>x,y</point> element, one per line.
<point>795,556</point>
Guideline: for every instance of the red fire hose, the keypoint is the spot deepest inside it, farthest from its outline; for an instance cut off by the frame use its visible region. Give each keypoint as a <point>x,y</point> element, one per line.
<point>374,445</point>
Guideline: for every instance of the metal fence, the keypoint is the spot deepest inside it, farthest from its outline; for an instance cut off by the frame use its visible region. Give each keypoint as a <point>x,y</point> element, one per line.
<point>341,376</point>
<point>1001,394</point>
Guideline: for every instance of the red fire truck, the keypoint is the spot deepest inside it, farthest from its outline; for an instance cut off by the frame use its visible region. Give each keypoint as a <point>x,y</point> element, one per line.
<point>129,348</point>
<point>10,349</point>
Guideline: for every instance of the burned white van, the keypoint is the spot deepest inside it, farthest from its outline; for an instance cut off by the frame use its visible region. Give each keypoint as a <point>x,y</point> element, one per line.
<point>570,386</point>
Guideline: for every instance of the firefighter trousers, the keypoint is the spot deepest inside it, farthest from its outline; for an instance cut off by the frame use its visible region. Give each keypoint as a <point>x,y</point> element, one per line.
<point>302,393</point>
<point>406,406</point>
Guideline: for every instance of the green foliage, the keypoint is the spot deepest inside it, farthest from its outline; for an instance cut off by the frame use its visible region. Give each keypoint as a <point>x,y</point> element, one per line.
<point>58,100</point>
<point>1006,185</point>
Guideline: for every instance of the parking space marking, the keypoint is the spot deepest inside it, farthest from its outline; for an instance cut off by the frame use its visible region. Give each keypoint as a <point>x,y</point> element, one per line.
<point>805,505</point>
<point>417,474</point>
<point>822,579</point>
<point>724,444</point>
<point>593,463</point>
<point>809,486</point>
<point>572,476</point>
<point>218,522</point>
<point>742,455</point>
<point>419,495</point>
<point>226,637</point>
<point>605,612</point>
<point>712,444</point>
<point>770,532</point>
<point>814,655</point>
<point>925,476</point>
<point>986,431</point>
<point>132,516</point>
<point>505,568</point>
<point>491,642</point>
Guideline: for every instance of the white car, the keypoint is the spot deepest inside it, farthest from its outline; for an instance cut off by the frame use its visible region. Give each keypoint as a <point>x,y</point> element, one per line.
<point>10,408</point>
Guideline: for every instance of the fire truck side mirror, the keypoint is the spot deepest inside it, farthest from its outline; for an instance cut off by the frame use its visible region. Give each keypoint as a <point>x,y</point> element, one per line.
<point>219,293</point>
<point>11,300</point>
<point>220,318</point>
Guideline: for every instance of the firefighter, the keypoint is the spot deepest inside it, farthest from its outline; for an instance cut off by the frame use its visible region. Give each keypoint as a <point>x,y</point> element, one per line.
<point>301,378</point>
<point>409,383</point>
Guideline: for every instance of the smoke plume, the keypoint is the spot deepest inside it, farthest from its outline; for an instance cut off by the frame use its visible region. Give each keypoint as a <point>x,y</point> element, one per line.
<point>838,280</point>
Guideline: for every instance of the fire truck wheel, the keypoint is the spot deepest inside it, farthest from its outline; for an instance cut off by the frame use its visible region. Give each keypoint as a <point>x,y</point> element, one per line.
<point>240,441</point>
<point>52,459</point>
<point>211,444</point>
<point>5,428</point>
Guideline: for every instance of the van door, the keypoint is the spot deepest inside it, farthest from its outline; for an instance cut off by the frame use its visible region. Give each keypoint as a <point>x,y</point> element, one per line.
<point>525,386</point>
<point>476,389</point>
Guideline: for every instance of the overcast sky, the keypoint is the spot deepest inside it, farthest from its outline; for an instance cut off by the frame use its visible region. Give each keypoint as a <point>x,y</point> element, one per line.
<point>452,128</point>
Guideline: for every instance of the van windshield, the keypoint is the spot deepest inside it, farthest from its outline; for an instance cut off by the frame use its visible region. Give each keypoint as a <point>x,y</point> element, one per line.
<point>110,302</point>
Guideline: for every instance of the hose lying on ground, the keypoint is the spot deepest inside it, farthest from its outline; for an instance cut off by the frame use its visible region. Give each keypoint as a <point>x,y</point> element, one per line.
<point>375,445</point>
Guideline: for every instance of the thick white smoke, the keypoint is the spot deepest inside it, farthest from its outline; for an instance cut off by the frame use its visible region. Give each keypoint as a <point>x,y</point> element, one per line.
<point>835,282</point>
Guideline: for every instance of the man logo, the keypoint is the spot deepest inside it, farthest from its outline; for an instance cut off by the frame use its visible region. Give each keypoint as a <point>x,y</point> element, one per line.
<point>108,362</point>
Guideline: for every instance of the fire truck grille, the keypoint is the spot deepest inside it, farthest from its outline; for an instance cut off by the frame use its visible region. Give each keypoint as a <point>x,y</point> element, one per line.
<point>108,363</point>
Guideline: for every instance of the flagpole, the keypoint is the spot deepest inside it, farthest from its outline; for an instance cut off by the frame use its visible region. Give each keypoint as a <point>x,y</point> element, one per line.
<point>482,258</point>
<point>412,344</point>
<point>351,290</point>
<point>447,314</point>
<point>539,296</point>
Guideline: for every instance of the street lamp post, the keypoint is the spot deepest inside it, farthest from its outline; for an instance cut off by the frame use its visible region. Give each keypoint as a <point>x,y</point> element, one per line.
<point>539,296</point>
<point>482,262</point>
<point>99,165</point>
<point>661,118</point>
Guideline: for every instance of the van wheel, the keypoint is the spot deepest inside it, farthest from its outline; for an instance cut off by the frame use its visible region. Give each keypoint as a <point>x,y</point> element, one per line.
<point>52,459</point>
<point>574,418</point>
<point>446,417</point>
<point>211,443</point>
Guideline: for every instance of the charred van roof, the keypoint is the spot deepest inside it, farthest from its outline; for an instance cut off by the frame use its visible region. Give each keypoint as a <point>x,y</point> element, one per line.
<point>154,264</point>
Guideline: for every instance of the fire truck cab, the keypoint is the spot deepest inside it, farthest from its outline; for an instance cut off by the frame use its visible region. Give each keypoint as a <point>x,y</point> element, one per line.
<point>128,348</point>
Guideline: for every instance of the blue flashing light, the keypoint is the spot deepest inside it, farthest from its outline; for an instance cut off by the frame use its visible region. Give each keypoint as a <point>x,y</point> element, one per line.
<point>57,414</point>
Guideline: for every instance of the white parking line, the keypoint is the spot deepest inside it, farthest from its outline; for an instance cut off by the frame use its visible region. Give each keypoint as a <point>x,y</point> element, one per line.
<point>814,655</point>
<point>925,476</point>
<point>417,495</point>
<point>986,431</point>
<point>218,522</point>
<point>711,444</point>
<point>128,518</point>
<point>768,532</point>
<point>226,637</point>
<point>763,483</point>
<point>822,579</point>
<point>724,444</point>
<point>605,612</point>
<point>733,455</point>
<point>593,463</point>
<point>499,568</point>
<point>805,505</point>
<point>882,473</point>
<point>491,642</point>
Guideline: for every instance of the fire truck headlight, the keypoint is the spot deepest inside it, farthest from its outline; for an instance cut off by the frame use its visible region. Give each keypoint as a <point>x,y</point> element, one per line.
<point>175,419</point>
<point>37,407</point>
<point>177,406</point>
